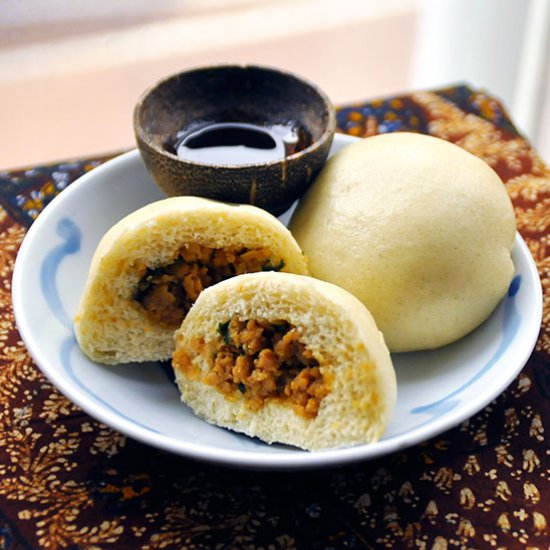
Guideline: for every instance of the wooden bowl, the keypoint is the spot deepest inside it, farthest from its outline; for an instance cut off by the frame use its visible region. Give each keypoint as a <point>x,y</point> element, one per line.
<point>190,103</point>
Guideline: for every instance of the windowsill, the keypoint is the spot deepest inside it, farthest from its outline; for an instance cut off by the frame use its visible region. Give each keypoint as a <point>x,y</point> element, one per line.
<point>75,95</point>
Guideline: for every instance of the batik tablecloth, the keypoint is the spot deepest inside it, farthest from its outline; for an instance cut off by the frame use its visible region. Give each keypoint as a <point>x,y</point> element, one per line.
<point>68,481</point>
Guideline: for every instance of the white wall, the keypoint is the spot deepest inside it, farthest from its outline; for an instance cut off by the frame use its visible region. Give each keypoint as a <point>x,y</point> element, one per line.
<point>499,45</point>
<point>73,64</point>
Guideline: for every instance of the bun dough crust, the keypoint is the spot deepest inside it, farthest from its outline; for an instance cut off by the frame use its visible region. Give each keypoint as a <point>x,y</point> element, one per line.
<point>333,325</point>
<point>110,326</point>
<point>418,229</point>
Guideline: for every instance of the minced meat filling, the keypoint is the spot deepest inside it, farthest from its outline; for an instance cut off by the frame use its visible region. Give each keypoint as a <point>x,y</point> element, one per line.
<point>264,360</point>
<point>167,293</point>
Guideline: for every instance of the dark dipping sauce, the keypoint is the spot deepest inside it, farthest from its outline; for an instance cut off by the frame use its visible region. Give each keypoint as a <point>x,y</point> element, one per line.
<point>236,143</point>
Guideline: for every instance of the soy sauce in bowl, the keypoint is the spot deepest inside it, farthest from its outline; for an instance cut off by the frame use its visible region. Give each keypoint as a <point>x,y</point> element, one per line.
<point>235,143</point>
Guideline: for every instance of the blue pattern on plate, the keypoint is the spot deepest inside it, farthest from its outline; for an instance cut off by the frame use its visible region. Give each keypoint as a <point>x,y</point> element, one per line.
<point>509,330</point>
<point>67,348</point>
<point>71,236</point>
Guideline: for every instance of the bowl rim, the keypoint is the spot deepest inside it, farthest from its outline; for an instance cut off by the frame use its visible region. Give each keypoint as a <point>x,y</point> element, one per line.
<point>328,134</point>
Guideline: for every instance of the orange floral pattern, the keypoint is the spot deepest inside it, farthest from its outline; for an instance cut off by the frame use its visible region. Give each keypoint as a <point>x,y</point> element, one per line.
<point>67,481</point>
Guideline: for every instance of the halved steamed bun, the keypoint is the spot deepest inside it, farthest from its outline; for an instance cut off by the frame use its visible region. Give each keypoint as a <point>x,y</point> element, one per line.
<point>288,359</point>
<point>150,267</point>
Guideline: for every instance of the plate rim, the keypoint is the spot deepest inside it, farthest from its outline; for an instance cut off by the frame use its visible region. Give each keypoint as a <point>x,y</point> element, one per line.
<point>240,458</point>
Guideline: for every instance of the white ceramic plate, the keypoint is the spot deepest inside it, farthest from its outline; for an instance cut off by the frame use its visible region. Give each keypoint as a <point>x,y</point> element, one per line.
<point>436,389</point>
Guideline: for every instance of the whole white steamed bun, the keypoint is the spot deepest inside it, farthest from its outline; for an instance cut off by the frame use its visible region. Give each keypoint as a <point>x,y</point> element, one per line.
<point>418,229</point>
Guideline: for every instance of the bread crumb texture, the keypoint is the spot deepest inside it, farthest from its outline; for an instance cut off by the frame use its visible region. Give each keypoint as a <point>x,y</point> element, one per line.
<point>334,328</point>
<point>111,326</point>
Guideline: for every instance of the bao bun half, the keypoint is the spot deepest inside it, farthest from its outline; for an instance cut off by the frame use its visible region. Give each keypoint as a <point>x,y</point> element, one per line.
<point>333,324</point>
<point>110,325</point>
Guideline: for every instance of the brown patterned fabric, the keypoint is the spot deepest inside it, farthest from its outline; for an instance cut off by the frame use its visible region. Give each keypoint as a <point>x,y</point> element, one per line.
<point>67,481</point>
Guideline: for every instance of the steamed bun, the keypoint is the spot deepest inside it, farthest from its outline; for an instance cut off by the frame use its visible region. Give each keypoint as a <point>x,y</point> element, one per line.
<point>149,267</point>
<point>286,358</point>
<point>418,229</point>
